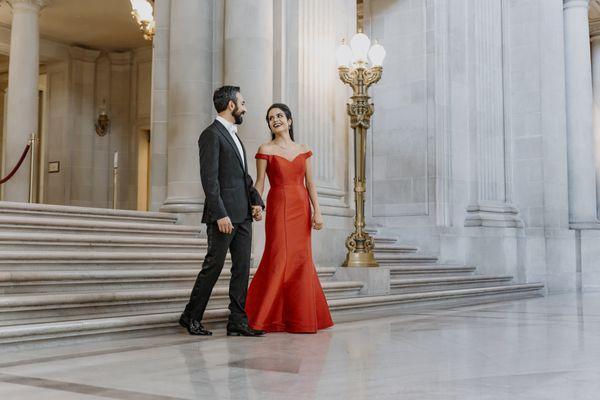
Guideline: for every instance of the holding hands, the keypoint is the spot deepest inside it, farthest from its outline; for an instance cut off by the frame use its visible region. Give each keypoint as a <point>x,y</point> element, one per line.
<point>257,213</point>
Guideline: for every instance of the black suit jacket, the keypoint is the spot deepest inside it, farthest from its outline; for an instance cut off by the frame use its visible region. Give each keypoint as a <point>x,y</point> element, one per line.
<point>228,188</point>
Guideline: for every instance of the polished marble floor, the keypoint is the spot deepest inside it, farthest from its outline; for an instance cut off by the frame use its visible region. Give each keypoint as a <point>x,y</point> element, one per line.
<point>541,348</point>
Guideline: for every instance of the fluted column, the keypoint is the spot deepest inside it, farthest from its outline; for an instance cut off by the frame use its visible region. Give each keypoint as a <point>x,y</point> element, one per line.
<point>579,104</point>
<point>490,203</point>
<point>189,101</point>
<point>595,47</point>
<point>22,101</point>
<point>249,64</point>
<point>160,96</point>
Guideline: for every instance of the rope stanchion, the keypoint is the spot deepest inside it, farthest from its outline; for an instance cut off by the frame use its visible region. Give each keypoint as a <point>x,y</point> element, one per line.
<point>16,168</point>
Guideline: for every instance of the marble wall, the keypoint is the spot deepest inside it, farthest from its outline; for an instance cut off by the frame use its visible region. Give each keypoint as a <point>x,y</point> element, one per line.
<point>472,102</point>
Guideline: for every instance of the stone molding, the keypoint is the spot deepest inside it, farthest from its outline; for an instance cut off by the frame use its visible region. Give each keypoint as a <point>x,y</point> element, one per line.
<point>120,57</point>
<point>82,54</point>
<point>594,29</point>
<point>576,4</point>
<point>492,215</point>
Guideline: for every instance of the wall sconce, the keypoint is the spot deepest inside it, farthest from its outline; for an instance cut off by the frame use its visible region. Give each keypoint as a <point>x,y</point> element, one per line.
<point>103,123</point>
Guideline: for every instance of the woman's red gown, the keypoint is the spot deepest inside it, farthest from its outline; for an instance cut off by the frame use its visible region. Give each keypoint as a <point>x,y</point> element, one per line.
<point>285,294</point>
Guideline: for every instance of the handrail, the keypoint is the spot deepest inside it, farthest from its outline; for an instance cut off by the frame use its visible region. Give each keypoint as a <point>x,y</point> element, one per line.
<point>16,168</point>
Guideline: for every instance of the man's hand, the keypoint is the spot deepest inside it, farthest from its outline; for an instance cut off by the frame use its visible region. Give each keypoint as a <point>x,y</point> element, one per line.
<point>225,225</point>
<point>257,213</point>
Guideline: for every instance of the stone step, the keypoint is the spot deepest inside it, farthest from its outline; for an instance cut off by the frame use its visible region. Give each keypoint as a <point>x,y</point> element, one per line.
<point>13,209</point>
<point>386,248</point>
<point>390,259</point>
<point>27,241</point>
<point>404,285</point>
<point>428,270</point>
<point>21,308</point>
<point>83,260</point>
<point>152,322</point>
<point>490,293</point>
<point>21,282</point>
<point>78,226</point>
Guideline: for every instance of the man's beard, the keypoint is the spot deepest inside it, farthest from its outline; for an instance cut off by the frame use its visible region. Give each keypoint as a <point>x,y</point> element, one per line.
<point>237,115</point>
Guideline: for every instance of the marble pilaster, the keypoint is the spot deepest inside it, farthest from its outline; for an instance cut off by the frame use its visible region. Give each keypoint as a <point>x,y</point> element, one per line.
<point>579,105</point>
<point>489,194</point>
<point>22,101</point>
<point>159,107</point>
<point>595,50</point>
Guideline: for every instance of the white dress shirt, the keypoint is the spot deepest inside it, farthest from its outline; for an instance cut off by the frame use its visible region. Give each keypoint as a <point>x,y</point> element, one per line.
<point>232,129</point>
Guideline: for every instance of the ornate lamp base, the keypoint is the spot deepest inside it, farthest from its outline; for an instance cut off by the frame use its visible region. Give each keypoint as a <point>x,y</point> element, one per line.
<point>360,260</point>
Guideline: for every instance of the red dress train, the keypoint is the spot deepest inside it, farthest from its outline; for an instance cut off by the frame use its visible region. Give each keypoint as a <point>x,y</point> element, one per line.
<point>285,294</point>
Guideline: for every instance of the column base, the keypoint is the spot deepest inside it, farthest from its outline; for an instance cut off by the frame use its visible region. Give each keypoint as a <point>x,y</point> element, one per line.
<point>587,225</point>
<point>189,210</point>
<point>493,215</point>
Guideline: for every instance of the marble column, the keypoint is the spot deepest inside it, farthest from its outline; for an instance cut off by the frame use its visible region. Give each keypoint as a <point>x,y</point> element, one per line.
<point>160,96</point>
<point>579,104</point>
<point>22,101</point>
<point>249,64</point>
<point>189,102</point>
<point>595,48</point>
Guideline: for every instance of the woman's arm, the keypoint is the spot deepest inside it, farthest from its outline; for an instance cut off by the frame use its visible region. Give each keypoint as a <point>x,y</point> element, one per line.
<point>261,168</point>
<point>317,218</point>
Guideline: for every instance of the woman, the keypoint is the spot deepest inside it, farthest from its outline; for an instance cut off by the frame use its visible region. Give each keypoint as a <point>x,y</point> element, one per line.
<point>285,294</point>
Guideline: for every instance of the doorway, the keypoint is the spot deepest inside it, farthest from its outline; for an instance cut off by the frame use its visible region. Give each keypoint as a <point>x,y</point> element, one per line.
<point>143,168</point>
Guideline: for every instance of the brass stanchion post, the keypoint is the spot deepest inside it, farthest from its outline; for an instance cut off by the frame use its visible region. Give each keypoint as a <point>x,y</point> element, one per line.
<point>32,155</point>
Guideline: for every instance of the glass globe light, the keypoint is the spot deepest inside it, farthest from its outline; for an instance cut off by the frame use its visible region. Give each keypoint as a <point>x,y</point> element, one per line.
<point>343,55</point>
<point>377,55</point>
<point>360,44</point>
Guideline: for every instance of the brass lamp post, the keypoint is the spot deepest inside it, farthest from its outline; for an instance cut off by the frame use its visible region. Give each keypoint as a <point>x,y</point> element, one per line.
<point>355,71</point>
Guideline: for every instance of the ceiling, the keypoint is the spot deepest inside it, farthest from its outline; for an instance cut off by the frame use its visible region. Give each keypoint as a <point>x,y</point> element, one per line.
<point>99,24</point>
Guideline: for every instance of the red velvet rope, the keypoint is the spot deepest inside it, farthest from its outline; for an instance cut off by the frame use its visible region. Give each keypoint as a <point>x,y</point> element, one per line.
<point>16,168</point>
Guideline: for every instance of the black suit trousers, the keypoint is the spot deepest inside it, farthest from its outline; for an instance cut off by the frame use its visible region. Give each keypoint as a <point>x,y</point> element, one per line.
<point>239,243</point>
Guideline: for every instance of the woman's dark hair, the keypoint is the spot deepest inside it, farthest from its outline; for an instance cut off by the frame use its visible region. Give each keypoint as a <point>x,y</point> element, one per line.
<point>288,114</point>
<point>223,96</point>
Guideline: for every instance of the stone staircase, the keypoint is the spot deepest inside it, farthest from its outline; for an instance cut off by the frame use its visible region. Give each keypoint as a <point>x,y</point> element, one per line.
<point>73,272</point>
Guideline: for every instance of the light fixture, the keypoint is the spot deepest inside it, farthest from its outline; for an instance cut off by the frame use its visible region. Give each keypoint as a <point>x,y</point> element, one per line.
<point>143,12</point>
<point>355,71</point>
<point>102,124</point>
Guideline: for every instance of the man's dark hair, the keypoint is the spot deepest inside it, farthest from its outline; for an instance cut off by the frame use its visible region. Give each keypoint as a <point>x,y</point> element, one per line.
<point>223,95</point>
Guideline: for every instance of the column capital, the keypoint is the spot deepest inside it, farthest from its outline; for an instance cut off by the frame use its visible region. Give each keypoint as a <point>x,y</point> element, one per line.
<point>576,4</point>
<point>31,5</point>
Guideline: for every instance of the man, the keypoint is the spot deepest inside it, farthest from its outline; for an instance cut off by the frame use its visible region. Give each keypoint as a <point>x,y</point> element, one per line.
<point>231,204</point>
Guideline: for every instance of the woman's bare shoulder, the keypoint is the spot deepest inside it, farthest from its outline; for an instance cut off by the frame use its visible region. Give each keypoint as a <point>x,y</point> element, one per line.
<point>266,148</point>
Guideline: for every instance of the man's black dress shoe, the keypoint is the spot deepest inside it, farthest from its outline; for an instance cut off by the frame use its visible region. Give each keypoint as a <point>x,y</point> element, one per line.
<point>194,327</point>
<point>242,330</point>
